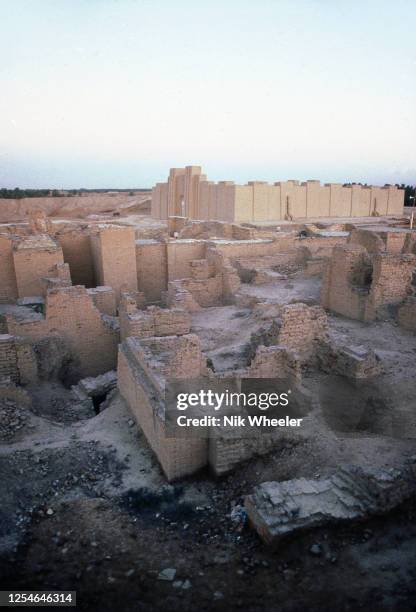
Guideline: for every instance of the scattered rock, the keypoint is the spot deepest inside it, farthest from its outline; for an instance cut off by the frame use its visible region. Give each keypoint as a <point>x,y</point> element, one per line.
<point>167,574</point>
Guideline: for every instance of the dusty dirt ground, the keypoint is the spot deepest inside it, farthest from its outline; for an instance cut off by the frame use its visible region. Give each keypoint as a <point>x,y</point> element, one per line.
<point>85,507</point>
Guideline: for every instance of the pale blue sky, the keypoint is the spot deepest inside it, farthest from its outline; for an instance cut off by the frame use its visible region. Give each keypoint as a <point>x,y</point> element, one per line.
<point>111,93</point>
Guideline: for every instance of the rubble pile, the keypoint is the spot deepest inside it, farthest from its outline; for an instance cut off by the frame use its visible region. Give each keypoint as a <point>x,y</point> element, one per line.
<point>12,419</point>
<point>278,509</point>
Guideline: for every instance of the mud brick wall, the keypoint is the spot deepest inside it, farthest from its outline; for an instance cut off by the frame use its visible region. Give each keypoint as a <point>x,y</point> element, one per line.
<point>200,269</point>
<point>372,242</point>
<point>31,266</point>
<point>152,268</point>
<point>337,292</point>
<point>8,284</point>
<point>71,314</point>
<point>316,267</point>
<point>353,362</point>
<point>302,327</point>
<point>8,358</point>
<point>230,278</point>
<point>104,298</point>
<point>392,280</point>
<point>245,248</point>
<point>178,457</point>
<point>180,254</point>
<point>407,314</point>
<point>77,252</point>
<point>177,297</point>
<point>153,322</point>
<point>378,241</point>
<point>207,292</point>
<point>226,453</point>
<point>274,362</point>
<point>395,241</point>
<point>319,246</point>
<point>410,243</point>
<point>114,255</point>
<point>26,361</point>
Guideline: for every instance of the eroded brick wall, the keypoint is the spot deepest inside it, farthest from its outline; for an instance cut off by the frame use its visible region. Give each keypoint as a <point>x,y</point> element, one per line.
<point>392,281</point>
<point>32,265</point>
<point>71,314</point>
<point>338,292</point>
<point>104,298</point>
<point>8,358</point>
<point>177,457</point>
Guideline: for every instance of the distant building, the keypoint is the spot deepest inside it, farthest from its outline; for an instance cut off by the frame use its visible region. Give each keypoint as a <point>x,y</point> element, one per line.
<point>188,193</point>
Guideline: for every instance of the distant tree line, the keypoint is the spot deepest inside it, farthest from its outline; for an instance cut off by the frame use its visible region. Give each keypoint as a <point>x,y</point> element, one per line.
<point>28,193</point>
<point>17,193</point>
<point>409,194</point>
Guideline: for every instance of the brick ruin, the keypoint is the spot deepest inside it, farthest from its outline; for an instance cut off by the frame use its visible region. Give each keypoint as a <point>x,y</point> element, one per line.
<point>375,270</point>
<point>81,299</point>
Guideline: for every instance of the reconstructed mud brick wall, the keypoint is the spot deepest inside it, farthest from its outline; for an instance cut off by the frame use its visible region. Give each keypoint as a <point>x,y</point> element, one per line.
<point>188,193</point>
<point>71,314</point>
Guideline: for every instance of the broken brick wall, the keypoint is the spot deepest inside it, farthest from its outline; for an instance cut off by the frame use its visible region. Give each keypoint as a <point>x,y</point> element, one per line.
<point>153,321</point>
<point>104,299</point>
<point>8,359</point>
<point>178,457</point>
<point>71,314</point>
<point>32,265</point>
<point>339,291</point>
<point>392,281</point>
